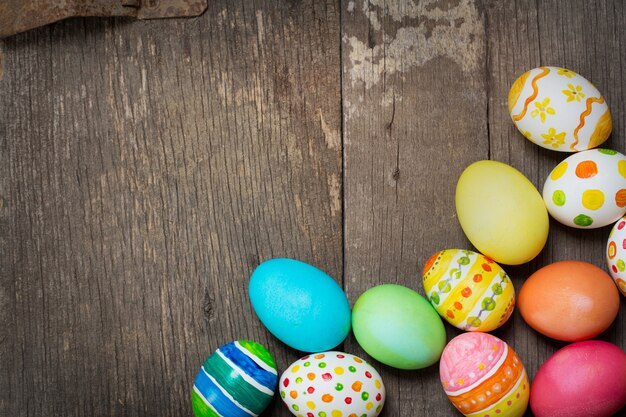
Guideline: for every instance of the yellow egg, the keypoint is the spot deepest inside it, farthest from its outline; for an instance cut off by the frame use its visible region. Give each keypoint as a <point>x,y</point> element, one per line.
<point>501,212</point>
<point>469,290</point>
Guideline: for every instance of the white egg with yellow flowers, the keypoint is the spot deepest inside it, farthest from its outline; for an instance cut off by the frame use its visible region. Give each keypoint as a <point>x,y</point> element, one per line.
<point>560,110</point>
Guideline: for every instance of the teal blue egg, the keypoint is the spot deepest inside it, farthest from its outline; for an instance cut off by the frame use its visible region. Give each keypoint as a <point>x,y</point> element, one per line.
<point>299,304</point>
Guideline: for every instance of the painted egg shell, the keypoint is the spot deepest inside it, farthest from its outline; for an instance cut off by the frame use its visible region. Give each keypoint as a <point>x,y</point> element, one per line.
<point>483,377</point>
<point>398,327</point>
<point>569,300</point>
<point>332,384</point>
<point>237,380</point>
<point>469,290</point>
<point>300,305</point>
<point>587,189</point>
<point>616,254</point>
<point>501,212</point>
<point>584,379</point>
<point>559,109</point>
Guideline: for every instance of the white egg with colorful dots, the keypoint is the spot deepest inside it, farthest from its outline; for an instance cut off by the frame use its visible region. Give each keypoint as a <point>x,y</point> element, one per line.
<point>332,384</point>
<point>560,110</point>
<point>588,189</point>
<point>616,255</point>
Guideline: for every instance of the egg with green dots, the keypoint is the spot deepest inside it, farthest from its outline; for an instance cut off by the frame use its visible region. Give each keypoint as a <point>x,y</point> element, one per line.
<point>588,189</point>
<point>616,254</point>
<point>332,384</point>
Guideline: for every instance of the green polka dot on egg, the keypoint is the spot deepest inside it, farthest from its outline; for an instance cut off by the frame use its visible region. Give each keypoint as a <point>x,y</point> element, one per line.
<point>558,197</point>
<point>583,220</point>
<point>620,265</point>
<point>607,151</point>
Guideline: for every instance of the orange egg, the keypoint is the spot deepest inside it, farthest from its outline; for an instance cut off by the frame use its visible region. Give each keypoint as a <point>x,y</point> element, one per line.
<point>569,300</point>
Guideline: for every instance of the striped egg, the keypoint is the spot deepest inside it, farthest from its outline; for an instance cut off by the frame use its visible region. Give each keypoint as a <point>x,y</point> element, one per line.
<point>558,109</point>
<point>332,384</point>
<point>237,380</point>
<point>616,254</point>
<point>587,189</point>
<point>469,290</point>
<point>483,377</point>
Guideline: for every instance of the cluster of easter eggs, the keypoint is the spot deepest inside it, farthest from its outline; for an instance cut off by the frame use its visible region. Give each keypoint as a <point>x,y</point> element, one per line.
<point>482,376</point>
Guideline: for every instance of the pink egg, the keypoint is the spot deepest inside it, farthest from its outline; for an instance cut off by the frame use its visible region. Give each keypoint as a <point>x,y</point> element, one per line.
<point>483,377</point>
<point>584,379</point>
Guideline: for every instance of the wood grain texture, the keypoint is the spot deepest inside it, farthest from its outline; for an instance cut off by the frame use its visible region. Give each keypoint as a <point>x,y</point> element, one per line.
<point>146,169</point>
<point>415,107</point>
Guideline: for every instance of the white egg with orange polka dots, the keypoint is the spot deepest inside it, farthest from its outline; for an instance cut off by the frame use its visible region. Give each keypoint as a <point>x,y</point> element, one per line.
<point>588,189</point>
<point>332,384</point>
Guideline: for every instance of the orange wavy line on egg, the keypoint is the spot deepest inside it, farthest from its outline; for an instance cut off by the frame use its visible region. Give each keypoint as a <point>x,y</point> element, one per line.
<point>584,114</point>
<point>544,72</point>
<point>463,401</point>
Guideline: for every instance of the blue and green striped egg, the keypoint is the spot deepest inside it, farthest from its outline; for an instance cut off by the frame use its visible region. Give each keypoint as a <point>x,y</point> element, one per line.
<point>238,380</point>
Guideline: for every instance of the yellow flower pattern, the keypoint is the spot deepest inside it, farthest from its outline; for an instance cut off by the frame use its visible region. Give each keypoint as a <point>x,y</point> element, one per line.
<point>565,72</point>
<point>542,109</point>
<point>574,93</point>
<point>553,139</point>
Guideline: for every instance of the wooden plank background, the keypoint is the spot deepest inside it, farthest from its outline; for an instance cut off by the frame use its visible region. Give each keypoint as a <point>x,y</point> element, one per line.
<point>147,167</point>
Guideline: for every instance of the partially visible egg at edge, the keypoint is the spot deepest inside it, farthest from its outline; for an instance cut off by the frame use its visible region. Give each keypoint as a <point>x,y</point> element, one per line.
<point>332,384</point>
<point>616,255</point>
<point>587,190</point>
<point>483,377</point>
<point>236,380</point>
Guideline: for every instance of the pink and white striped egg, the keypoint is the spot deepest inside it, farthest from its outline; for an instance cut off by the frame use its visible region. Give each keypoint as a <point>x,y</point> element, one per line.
<point>483,377</point>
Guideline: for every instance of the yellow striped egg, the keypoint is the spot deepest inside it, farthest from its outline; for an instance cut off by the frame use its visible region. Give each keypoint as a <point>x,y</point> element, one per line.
<point>469,290</point>
<point>558,109</point>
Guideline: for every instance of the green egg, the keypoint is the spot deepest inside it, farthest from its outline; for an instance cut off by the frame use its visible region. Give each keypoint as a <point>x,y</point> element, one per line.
<point>398,327</point>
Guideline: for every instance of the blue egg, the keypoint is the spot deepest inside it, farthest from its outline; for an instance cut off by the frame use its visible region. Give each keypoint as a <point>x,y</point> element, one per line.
<point>300,305</point>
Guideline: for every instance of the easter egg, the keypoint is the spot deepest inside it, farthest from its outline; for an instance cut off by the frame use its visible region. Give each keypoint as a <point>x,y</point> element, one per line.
<point>584,379</point>
<point>332,384</point>
<point>300,305</point>
<point>483,377</point>
<point>237,380</point>
<point>469,290</point>
<point>558,109</point>
<point>616,254</point>
<point>501,212</point>
<point>569,300</point>
<point>588,189</point>
<point>398,327</point>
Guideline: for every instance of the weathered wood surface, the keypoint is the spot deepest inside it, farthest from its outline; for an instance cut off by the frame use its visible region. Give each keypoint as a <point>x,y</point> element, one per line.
<point>147,167</point>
